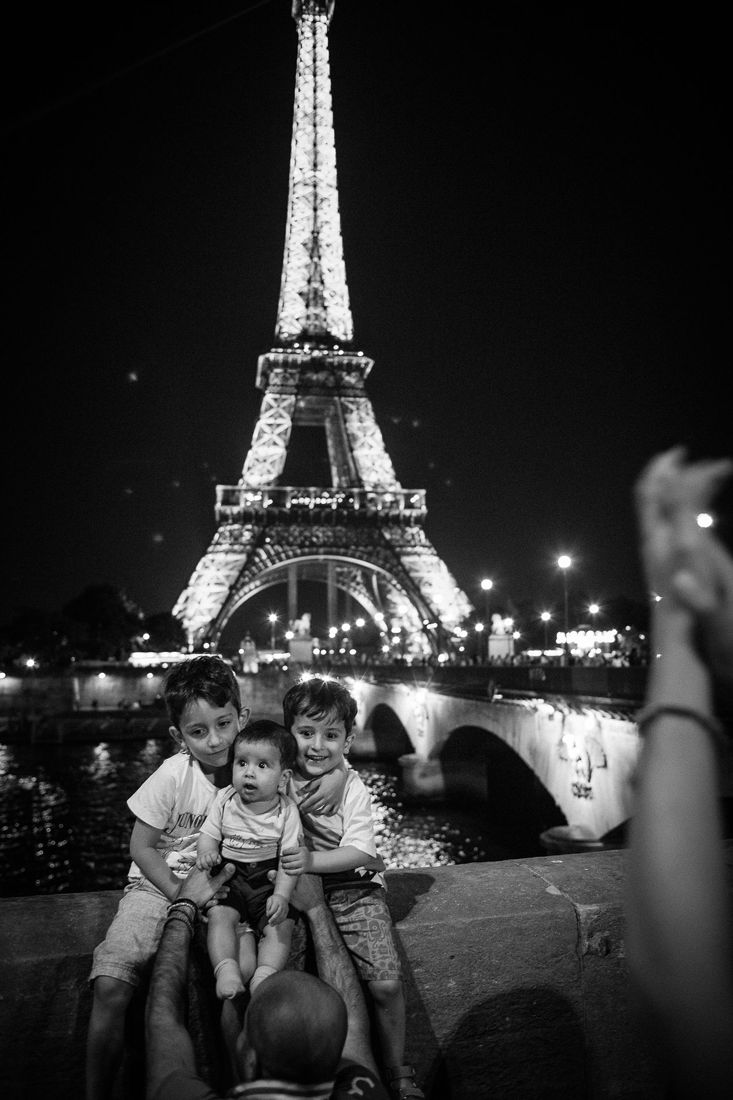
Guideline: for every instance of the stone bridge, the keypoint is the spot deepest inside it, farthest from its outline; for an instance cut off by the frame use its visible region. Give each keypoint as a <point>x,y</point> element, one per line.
<point>563,747</point>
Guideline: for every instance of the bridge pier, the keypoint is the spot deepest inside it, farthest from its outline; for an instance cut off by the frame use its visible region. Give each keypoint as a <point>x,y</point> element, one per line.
<point>422,778</point>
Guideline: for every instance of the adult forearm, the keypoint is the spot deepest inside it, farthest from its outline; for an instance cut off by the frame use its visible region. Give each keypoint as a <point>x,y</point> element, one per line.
<point>167,1040</point>
<point>677,903</point>
<point>336,967</point>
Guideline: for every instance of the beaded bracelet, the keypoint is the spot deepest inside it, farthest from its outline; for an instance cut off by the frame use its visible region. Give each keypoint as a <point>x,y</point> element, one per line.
<point>185,910</point>
<point>657,710</point>
<point>180,917</point>
<point>192,907</point>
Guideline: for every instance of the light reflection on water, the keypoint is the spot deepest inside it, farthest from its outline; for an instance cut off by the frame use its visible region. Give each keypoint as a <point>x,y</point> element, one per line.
<point>65,826</point>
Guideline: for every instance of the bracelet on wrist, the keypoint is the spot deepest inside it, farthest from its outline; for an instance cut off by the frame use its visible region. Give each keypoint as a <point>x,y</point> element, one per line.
<point>650,713</point>
<point>179,917</point>
<point>185,904</point>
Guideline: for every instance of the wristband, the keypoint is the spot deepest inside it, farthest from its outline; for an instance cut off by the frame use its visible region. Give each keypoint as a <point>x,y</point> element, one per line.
<point>649,714</point>
<point>180,917</point>
<point>192,907</point>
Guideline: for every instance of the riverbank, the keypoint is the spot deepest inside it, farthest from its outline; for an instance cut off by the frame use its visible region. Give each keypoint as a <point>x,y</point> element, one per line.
<point>516,979</point>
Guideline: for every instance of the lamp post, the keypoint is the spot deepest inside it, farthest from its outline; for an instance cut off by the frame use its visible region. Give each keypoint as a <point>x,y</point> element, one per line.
<point>486,585</point>
<point>272,617</point>
<point>479,630</point>
<point>545,616</point>
<point>564,562</point>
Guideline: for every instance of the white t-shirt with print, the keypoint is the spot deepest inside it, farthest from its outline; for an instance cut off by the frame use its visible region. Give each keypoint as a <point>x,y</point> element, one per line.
<point>250,837</point>
<point>175,798</point>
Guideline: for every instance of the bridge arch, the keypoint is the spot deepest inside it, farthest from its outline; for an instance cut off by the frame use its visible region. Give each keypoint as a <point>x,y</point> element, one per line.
<point>479,766</point>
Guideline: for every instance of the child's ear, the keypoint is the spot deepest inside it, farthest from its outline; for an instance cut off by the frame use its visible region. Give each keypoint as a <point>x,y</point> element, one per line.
<point>244,717</point>
<point>284,780</point>
<point>177,737</point>
<point>349,742</point>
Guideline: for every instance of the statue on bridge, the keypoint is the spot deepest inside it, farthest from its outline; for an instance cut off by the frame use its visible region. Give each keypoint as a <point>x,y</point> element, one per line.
<point>301,627</point>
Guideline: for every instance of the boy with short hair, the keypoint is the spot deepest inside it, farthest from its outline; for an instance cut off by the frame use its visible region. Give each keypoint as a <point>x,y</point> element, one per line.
<point>249,824</point>
<point>340,846</point>
<point>206,713</point>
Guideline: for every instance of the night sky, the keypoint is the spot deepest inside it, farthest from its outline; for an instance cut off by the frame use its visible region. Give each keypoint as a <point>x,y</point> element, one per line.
<point>537,235</point>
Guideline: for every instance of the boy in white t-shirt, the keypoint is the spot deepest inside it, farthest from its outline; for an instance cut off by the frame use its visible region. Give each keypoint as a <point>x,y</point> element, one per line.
<point>204,706</point>
<point>340,846</point>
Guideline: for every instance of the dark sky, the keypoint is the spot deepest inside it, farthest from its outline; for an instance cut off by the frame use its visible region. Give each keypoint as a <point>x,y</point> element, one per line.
<point>537,234</point>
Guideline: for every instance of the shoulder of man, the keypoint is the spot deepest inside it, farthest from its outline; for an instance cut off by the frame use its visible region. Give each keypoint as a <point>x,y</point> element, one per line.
<point>354,1080</point>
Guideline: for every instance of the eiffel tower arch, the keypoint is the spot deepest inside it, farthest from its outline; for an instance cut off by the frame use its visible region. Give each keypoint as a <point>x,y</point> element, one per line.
<point>363,533</point>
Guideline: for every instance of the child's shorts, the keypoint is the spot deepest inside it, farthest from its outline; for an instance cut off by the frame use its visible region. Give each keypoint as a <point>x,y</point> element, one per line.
<point>365,923</point>
<point>133,936</point>
<point>249,889</point>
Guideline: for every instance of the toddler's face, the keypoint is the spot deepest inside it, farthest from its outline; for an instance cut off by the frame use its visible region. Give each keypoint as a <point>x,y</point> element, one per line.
<point>208,732</point>
<point>322,743</point>
<point>257,772</point>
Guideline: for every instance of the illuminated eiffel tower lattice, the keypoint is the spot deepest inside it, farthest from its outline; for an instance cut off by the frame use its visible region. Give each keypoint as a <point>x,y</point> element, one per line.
<point>362,534</point>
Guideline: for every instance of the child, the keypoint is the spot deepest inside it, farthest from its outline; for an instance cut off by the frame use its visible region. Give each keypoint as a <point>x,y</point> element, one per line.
<point>204,707</point>
<point>320,714</point>
<point>249,824</point>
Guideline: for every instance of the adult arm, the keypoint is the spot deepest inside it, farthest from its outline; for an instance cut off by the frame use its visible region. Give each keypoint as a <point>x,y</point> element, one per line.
<point>171,1063</point>
<point>336,967</point>
<point>677,903</point>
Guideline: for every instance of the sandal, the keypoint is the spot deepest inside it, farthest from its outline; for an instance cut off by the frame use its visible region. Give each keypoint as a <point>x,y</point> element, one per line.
<point>407,1090</point>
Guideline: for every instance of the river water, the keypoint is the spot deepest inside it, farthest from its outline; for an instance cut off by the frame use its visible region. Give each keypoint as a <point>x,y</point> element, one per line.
<point>65,826</point>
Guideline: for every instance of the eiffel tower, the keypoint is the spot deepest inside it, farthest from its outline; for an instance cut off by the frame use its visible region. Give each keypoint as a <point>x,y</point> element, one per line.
<point>362,534</point>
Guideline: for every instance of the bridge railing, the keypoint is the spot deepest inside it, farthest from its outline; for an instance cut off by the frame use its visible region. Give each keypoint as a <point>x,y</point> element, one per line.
<point>625,685</point>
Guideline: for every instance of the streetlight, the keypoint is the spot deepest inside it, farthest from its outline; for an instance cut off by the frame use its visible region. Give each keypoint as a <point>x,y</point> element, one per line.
<point>478,627</point>
<point>564,562</point>
<point>272,617</point>
<point>486,586</point>
<point>545,616</point>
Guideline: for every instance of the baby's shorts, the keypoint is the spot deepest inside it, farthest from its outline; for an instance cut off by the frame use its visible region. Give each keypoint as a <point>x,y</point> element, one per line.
<point>133,936</point>
<point>366,925</point>
<point>249,889</point>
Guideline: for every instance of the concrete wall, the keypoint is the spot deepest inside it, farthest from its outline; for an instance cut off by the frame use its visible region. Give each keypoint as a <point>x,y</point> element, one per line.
<point>516,983</point>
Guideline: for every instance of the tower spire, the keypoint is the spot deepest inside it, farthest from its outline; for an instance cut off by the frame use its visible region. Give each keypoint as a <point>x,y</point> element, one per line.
<point>314,298</point>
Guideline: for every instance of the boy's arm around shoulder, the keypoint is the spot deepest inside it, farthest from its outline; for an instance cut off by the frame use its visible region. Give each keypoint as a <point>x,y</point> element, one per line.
<point>325,794</point>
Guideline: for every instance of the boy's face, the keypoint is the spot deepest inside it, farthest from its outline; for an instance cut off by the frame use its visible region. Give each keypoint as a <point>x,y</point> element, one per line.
<point>322,743</point>
<point>257,771</point>
<point>208,732</point>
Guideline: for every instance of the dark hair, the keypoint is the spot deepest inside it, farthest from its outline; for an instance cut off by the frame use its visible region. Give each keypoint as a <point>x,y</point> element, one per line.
<point>275,734</point>
<point>316,697</point>
<point>204,677</point>
<point>296,1024</point>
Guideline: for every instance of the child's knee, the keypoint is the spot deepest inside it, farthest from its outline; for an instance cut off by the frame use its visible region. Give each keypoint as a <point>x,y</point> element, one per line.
<point>112,994</point>
<point>387,991</point>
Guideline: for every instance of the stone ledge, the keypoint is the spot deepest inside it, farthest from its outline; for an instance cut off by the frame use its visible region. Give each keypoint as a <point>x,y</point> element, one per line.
<point>516,982</point>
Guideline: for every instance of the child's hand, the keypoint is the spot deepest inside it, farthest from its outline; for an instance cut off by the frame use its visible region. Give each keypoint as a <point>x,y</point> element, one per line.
<point>207,860</point>
<point>276,909</point>
<point>297,861</point>
<point>323,795</point>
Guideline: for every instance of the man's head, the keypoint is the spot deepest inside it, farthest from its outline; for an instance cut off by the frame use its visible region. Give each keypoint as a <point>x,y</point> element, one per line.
<point>294,1030</point>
